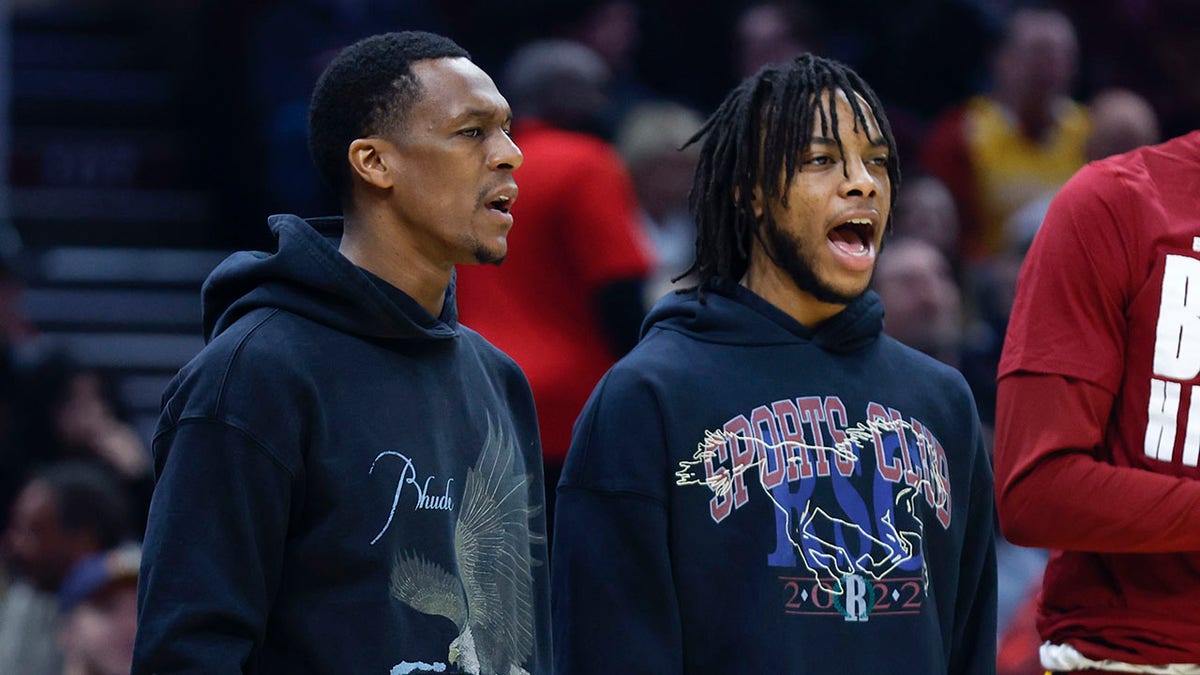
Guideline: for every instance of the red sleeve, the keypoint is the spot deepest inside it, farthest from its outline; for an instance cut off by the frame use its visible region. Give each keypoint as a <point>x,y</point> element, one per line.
<point>605,237</point>
<point>1069,315</point>
<point>1054,491</point>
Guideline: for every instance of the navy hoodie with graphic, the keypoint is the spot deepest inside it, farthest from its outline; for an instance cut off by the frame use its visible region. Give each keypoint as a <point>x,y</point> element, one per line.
<point>345,484</point>
<point>745,495</point>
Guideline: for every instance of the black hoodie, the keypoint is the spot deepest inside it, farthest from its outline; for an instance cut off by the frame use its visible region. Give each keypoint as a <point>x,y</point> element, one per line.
<point>344,483</point>
<point>744,495</point>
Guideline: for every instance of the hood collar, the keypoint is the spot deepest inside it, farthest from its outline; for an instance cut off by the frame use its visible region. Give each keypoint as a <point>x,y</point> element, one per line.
<point>733,314</point>
<point>308,276</point>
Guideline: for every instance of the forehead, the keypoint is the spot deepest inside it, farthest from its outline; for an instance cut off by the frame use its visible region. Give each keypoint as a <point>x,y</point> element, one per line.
<point>847,123</point>
<point>455,87</point>
<point>1041,29</point>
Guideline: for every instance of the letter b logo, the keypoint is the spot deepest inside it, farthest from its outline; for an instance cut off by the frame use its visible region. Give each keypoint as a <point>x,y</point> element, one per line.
<point>1177,343</point>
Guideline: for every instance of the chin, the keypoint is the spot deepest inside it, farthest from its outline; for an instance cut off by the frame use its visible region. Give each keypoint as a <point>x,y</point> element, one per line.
<point>490,256</point>
<point>847,284</point>
<point>835,291</point>
<point>856,289</point>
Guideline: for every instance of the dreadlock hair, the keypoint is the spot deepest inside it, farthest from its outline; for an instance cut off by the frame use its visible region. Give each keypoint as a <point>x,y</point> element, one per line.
<point>365,90</point>
<point>759,133</point>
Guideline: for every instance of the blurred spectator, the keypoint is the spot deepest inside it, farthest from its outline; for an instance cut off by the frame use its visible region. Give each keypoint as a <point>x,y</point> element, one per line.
<point>1158,54</point>
<point>98,613</point>
<point>1121,121</point>
<point>67,411</point>
<point>62,515</point>
<point>567,302</point>
<point>72,411</point>
<point>925,210</point>
<point>612,29</point>
<point>775,32</point>
<point>650,141</point>
<point>559,83</point>
<point>922,304</point>
<point>1000,151</point>
<point>993,288</point>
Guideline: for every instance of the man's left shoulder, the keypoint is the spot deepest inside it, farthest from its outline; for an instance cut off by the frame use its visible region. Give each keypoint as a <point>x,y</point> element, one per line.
<point>489,354</point>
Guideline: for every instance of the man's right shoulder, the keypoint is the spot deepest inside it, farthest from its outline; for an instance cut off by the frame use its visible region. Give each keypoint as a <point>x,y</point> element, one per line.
<point>662,361</point>
<point>251,354</point>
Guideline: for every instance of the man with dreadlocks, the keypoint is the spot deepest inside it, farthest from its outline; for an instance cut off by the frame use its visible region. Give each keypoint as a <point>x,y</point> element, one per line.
<point>767,483</point>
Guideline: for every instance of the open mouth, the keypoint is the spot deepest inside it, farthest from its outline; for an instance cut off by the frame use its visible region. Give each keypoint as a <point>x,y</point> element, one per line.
<point>501,204</point>
<point>854,237</point>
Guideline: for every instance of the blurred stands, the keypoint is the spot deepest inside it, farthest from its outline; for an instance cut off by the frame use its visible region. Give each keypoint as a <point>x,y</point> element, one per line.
<point>149,137</point>
<point>99,149</point>
<point>131,313</point>
<point>112,213</point>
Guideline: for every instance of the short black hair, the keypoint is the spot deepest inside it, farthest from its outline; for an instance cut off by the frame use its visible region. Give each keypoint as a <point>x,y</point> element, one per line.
<point>89,499</point>
<point>759,133</point>
<point>365,90</point>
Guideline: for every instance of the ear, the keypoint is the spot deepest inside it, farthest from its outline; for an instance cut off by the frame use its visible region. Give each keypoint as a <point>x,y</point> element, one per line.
<point>369,160</point>
<point>756,201</point>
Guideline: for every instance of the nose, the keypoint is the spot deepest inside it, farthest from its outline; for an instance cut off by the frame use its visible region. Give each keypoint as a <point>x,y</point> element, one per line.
<point>505,154</point>
<point>859,181</point>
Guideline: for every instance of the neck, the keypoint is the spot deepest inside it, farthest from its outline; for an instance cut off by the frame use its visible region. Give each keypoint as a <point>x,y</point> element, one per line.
<point>1035,121</point>
<point>378,246</point>
<point>775,286</point>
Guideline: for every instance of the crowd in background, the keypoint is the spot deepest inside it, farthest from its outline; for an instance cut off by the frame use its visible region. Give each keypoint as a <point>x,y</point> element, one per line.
<point>994,104</point>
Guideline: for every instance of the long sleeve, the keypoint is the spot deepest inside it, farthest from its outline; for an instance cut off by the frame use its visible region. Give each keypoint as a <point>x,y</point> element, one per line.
<point>1054,490</point>
<point>213,550</point>
<point>613,593</point>
<point>974,645</point>
<point>613,600</point>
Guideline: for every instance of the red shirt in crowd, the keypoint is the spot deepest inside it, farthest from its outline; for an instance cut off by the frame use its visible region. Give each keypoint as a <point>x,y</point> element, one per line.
<point>575,230</point>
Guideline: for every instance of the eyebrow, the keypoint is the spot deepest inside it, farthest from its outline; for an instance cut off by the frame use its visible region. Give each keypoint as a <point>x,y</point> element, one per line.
<point>481,114</point>
<point>823,140</point>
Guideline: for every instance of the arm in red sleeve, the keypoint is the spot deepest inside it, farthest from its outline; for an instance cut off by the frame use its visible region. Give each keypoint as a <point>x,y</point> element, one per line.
<point>1054,490</point>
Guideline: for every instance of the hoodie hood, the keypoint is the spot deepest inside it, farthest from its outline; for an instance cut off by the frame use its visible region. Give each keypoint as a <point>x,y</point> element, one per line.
<point>733,314</point>
<point>308,277</point>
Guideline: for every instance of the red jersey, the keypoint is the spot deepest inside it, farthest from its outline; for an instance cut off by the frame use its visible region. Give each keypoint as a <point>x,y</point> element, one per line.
<point>575,230</point>
<point>1098,423</point>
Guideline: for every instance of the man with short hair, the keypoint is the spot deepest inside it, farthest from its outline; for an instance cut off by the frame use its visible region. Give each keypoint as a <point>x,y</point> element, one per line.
<point>63,513</point>
<point>348,479</point>
<point>766,483</point>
